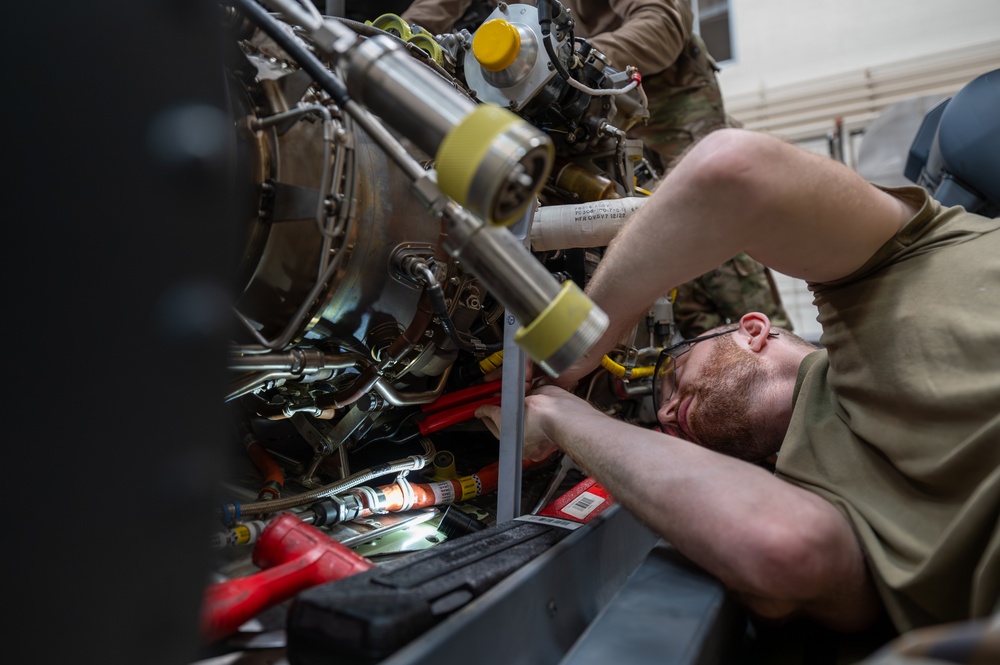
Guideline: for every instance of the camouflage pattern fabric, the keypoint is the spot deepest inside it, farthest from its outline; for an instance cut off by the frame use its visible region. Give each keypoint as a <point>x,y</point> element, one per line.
<point>685,104</point>
<point>723,295</point>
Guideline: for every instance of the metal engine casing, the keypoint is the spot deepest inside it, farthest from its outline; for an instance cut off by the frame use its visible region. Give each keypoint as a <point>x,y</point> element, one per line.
<point>366,302</point>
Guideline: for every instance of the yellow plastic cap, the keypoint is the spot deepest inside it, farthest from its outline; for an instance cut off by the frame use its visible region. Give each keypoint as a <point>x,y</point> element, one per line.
<point>496,44</point>
<point>557,323</point>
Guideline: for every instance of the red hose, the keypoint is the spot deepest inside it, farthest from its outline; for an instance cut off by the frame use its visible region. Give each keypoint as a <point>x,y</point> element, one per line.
<point>268,468</point>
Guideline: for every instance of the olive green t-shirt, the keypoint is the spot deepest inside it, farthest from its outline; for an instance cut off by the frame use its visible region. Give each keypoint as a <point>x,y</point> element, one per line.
<point>897,420</point>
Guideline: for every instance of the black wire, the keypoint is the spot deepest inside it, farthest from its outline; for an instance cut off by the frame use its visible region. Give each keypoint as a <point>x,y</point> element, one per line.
<point>309,62</point>
<point>440,306</point>
<point>391,436</point>
<point>544,23</point>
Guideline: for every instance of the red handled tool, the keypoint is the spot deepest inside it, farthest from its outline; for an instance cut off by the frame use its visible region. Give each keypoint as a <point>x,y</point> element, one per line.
<point>295,556</point>
<point>459,397</point>
<point>458,406</point>
<point>447,410</point>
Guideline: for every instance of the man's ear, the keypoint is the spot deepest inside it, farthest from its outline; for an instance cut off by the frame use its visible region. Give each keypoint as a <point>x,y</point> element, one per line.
<point>757,327</point>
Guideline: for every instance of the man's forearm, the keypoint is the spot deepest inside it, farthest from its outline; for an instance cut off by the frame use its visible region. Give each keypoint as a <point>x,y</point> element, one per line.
<point>674,486</point>
<point>668,241</point>
<point>760,536</point>
<point>801,214</point>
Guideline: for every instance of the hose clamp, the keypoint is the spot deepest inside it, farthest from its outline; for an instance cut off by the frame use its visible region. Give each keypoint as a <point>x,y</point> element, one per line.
<point>419,462</point>
<point>370,498</point>
<point>408,497</point>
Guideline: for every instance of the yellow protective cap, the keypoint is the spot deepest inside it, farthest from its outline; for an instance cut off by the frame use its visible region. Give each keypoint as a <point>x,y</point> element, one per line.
<point>392,23</point>
<point>496,44</point>
<point>556,324</point>
<point>466,147</point>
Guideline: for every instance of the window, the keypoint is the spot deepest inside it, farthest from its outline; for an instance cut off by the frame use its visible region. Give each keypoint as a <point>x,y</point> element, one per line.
<point>712,22</point>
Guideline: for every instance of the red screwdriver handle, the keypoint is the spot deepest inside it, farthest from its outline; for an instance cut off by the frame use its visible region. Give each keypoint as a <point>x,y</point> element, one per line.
<point>295,556</point>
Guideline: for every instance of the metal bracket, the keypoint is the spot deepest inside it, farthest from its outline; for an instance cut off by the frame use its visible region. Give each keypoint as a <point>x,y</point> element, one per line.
<point>327,440</point>
<point>407,253</point>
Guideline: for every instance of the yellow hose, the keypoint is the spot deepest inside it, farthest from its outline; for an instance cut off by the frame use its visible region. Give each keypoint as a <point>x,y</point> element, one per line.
<point>489,364</point>
<point>624,372</point>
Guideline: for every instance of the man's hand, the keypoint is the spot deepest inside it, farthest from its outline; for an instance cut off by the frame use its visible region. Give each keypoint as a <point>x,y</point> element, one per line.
<point>544,408</point>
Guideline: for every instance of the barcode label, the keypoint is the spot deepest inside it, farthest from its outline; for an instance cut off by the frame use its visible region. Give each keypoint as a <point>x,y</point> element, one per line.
<point>583,505</point>
<point>551,521</point>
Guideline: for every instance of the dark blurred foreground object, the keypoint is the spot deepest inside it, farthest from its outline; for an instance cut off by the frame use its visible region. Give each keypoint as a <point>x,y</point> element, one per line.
<point>975,642</point>
<point>118,231</point>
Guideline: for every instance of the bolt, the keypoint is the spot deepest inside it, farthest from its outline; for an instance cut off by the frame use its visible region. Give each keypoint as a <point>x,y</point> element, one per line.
<point>551,608</point>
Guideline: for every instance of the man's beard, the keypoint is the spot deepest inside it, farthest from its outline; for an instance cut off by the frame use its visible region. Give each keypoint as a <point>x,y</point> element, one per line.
<point>729,418</point>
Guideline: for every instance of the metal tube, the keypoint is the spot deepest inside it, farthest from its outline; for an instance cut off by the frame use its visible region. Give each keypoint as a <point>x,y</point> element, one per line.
<point>412,463</point>
<point>324,185</point>
<point>502,262</point>
<point>560,322</point>
<point>410,97</point>
<point>326,268</point>
<point>393,148</point>
<point>251,383</point>
<point>288,334</point>
<point>395,398</point>
<point>297,361</point>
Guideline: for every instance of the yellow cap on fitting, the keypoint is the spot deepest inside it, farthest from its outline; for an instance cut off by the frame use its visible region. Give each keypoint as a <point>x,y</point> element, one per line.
<point>444,466</point>
<point>496,44</point>
<point>392,23</point>
<point>466,147</point>
<point>556,324</point>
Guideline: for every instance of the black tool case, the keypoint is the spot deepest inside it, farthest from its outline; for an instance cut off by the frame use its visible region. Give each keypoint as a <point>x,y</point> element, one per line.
<point>366,617</point>
<point>610,591</point>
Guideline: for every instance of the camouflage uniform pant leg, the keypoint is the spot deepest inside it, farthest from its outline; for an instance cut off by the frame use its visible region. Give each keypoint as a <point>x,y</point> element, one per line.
<point>723,295</point>
<point>684,106</point>
<point>677,122</point>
